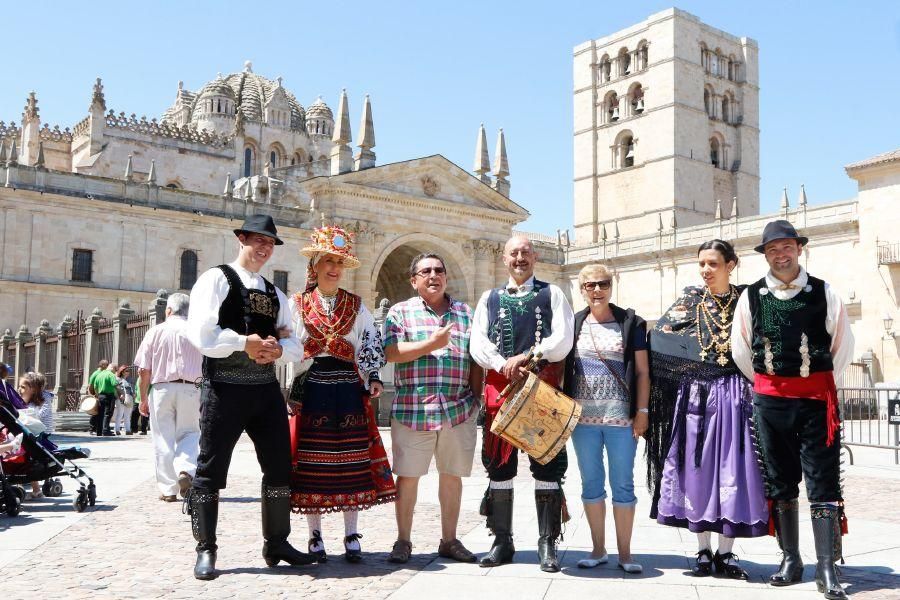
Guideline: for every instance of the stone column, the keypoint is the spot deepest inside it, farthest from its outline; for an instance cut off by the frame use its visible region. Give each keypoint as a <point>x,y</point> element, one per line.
<point>120,334</point>
<point>158,307</point>
<point>4,345</point>
<point>62,362</point>
<point>40,341</point>
<point>24,336</point>
<point>364,247</point>
<point>91,346</point>
<point>485,256</point>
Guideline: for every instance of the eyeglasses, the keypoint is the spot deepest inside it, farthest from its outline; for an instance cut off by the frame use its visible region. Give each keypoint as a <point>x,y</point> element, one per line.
<point>429,270</point>
<point>590,286</point>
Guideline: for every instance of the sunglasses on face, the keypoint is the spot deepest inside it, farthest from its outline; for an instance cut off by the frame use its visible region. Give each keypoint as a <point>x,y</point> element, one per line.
<point>429,270</point>
<point>590,286</point>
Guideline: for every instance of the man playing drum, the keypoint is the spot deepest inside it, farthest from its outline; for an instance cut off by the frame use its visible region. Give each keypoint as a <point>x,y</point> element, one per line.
<point>509,322</point>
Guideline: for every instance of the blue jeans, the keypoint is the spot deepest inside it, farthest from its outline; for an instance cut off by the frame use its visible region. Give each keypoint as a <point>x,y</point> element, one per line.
<point>589,441</point>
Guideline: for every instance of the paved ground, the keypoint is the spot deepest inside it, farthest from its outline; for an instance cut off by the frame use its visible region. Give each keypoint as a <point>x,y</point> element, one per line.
<point>133,546</point>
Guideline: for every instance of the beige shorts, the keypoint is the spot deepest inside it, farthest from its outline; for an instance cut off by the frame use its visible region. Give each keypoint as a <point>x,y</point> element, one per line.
<point>453,448</point>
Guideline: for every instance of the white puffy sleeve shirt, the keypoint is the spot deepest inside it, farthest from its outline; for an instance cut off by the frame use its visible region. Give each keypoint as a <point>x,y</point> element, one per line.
<point>207,297</point>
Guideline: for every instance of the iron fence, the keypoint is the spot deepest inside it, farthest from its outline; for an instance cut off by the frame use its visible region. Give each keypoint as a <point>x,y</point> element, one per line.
<point>864,415</point>
<point>27,358</point>
<point>75,373</point>
<point>48,361</point>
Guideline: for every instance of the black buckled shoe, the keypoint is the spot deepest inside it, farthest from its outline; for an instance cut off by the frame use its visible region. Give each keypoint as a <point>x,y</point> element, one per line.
<point>703,568</point>
<point>316,540</point>
<point>351,554</point>
<point>732,570</point>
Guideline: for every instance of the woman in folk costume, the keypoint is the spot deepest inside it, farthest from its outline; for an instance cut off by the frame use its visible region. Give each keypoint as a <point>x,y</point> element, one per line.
<point>340,464</point>
<point>702,458</point>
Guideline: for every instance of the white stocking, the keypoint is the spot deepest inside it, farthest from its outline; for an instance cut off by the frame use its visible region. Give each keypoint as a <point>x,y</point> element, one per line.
<point>314,523</point>
<point>350,525</point>
<point>725,545</point>
<point>703,543</point>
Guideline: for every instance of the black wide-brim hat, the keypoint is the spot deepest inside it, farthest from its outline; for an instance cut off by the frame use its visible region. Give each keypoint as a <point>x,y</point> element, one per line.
<point>779,230</point>
<point>262,224</point>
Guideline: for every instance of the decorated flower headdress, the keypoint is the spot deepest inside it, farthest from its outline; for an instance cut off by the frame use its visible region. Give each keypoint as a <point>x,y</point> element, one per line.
<point>328,239</point>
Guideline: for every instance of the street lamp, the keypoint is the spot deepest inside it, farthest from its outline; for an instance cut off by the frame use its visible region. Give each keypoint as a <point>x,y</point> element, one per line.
<point>888,321</point>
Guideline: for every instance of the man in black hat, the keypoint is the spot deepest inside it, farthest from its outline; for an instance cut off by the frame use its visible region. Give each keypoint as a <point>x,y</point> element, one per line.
<point>791,336</point>
<point>241,324</point>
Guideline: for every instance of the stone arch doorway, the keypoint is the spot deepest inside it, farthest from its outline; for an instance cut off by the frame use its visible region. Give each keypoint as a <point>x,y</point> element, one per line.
<point>391,273</point>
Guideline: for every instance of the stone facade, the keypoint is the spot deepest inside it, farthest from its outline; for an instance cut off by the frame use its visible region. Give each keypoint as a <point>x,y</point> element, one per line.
<point>666,123</point>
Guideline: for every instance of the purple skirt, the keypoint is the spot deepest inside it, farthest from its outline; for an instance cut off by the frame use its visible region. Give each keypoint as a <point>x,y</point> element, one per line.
<point>718,486</point>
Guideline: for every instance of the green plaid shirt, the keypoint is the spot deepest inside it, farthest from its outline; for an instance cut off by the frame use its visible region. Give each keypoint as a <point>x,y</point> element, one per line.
<point>434,386</point>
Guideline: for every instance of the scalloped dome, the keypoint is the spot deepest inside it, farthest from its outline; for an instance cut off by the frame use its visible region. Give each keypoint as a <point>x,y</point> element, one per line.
<point>216,87</point>
<point>319,110</point>
<point>251,92</point>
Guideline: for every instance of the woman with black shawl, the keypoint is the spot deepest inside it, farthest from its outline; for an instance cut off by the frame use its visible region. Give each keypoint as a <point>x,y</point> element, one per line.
<point>702,462</point>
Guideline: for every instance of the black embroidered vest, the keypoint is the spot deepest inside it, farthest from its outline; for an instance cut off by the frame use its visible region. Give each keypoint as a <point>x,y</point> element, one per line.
<point>246,312</point>
<point>515,324</point>
<point>789,336</point>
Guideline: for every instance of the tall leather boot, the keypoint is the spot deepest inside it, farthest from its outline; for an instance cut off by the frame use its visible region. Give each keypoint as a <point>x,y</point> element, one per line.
<point>204,510</point>
<point>549,505</point>
<point>499,511</point>
<point>787,528</point>
<point>276,526</point>
<point>827,534</point>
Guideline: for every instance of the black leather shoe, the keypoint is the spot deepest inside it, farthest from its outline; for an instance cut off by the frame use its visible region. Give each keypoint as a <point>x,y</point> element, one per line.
<point>276,552</point>
<point>205,567</point>
<point>276,526</point>
<point>203,507</point>
<point>548,503</point>
<point>787,528</point>
<point>827,534</point>
<point>703,568</point>
<point>730,569</point>
<point>316,540</point>
<point>351,555</point>
<point>498,508</point>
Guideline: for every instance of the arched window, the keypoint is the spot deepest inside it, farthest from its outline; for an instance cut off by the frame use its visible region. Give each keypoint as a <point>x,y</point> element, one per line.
<point>715,153</point>
<point>726,113</point>
<point>623,150</point>
<point>624,62</point>
<point>704,57</point>
<point>636,99</point>
<point>707,102</point>
<point>612,107</point>
<point>273,158</point>
<point>605,69</point>
<point>248,162</point>
<point>643,55</point>
<point>172,185</point>
<point>188,270</point>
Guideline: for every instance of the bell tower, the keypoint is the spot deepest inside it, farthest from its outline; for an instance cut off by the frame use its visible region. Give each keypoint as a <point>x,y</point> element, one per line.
<point>666,125</point>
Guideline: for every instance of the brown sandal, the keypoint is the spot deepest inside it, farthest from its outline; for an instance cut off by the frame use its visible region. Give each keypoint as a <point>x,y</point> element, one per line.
<point>455,550</point>
<point>400,552</point>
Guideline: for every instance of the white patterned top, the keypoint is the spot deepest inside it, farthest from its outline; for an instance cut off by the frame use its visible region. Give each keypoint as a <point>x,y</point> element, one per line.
<point>602,398</point>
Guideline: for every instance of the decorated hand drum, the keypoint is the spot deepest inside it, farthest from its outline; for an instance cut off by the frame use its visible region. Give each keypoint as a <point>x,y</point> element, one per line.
<point>537,418</point>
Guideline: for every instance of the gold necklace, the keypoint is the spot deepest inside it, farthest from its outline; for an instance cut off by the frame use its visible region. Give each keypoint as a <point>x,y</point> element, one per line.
<point>719,339</point>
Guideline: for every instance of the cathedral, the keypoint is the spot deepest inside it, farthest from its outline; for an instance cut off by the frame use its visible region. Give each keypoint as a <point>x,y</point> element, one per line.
<point>666,155</point>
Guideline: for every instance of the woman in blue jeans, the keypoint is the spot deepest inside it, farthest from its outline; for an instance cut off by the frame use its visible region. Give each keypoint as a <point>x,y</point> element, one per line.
<point>608,373</point>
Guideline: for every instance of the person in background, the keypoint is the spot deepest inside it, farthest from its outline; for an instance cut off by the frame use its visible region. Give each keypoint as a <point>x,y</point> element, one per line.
<point>124,403</point>
<point>31,388</point>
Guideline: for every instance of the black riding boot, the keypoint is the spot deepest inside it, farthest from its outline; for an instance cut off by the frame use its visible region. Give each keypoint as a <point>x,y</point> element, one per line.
<point>549,505</point>
<point>827,534</point>
<point>499,510</point>
<point>276,526</point>
<point>204,510</point>
<point>787,528</point>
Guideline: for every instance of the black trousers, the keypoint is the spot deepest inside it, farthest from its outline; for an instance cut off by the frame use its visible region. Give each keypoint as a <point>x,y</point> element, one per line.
<point>137,418</point>
<point>100,422</point>
<point>552,471</point>
<point>226,411</point>
<point>791,433</point>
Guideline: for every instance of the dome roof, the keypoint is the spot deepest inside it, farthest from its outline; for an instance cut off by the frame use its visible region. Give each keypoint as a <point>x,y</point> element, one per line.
<point>251,92</point>
<point>216,87</point>
<point>319,110</point>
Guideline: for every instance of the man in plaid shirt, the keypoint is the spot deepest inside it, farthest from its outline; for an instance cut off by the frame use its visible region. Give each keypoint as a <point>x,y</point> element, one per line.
<point>436,406</point>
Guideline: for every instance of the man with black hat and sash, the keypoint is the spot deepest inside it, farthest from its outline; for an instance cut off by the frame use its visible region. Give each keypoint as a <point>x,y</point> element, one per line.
<point>241,323</point>
<point>791,337</point>
<point>509,322</point>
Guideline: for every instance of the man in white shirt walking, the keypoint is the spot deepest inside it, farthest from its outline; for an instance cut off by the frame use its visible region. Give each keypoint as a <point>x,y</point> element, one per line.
<point>167,361</point>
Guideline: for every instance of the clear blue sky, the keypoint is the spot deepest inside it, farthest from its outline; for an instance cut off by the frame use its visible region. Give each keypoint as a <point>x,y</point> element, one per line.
<point>828,74</point>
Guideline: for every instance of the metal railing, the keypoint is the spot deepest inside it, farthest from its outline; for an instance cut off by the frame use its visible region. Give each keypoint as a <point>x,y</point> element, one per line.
<point>864,415</point>
<point>888,254</point>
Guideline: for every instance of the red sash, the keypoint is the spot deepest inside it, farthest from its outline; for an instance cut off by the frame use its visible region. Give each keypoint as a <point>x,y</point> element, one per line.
<point>818,386</point>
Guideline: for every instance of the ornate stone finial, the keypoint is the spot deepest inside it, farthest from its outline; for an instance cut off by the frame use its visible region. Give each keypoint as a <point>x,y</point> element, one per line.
<point>151,177</point>
<point>180,86</point>
<point>501,164</point>
<point>482,166</point>
<point>7,333</point>
<point>278,81</point>
<point>734,207</point>
<point>674,223</point>
<point>31,109</point>
<point>718,209</point>
<point>603,232</point>
<point>23,328</point>
<point>229,187</point>
<point>39,161</point>
<point>129,168</point>
<point>659,226</point>
<point>616,233</point>
<point>124,303</point>
<point>68,319</point>
<point>96,312</point>
<point>98,100</point>
<point>2,152</point>
<point>45,323</point>
<point>162,293</point>
<point>342,127</point>
<point>13,158</point>
<point>801,201</point>
<point>248,66</point>
<point>367,139</point>
<point>785,204</point>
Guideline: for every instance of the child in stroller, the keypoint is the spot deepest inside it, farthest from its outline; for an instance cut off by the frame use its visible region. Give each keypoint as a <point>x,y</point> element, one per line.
<point>40,459</point>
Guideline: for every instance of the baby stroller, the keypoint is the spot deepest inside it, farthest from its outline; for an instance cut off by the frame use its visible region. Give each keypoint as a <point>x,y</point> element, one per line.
<point>42,460</point>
